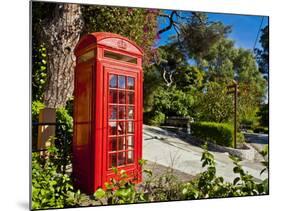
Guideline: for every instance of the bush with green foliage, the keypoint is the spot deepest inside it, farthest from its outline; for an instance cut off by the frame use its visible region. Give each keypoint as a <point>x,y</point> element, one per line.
<point>261,129</point>
<point>154,118</point>
<point>35,110</point>
<point>119,191</point>
<point>240,138</point>
<point>64,131</point>
<point>64,135</point>
<point>218,133</point>
<point>173,102</point>
<point>51,188</point>
<point>169,102</point>
<point>214,104</point>
<point>138,24</point>
<point>264,115</point>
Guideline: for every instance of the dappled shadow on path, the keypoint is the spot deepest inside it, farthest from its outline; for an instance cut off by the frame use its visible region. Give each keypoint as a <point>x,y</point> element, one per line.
<point>256,138</point>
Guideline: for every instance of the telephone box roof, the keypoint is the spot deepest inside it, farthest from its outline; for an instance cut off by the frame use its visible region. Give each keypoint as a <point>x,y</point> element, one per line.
<point>110,40</point>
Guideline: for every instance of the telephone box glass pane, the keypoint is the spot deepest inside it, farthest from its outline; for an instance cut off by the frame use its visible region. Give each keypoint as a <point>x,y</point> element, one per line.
<point>131,83</point>
<point>122,143</point>
<point>112,160</point>
<point>130,141</point>
<point>113,144</point>
<point>130,156</point>
<point>130,112</point>
<point>130,127</point>
<point>121,82</point>
<point>121,158</point>
<point>112,112</point>
<point>130,96</point>
<point>122,112</point>
<point>121,128</point>
<point>122,98</point>
<point>112,128</point>
<point>112,81</point>
<point>121,57</point>
<point>112,96</point>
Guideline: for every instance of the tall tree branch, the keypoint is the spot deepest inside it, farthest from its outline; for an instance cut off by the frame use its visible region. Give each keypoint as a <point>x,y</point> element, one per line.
<point>171,22</point>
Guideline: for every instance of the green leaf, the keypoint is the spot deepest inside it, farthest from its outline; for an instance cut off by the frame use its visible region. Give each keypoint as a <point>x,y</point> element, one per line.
<point>142,162</point>
<point>262,171</point>
<point>236,180</point>
<point>148,171</point>
<point>43,67</point>
<point>236,169</point>
<point>108,186</point>
<point>115,170</point>
<point>123,192</point>
<point>99,194</point>
<point>184,191</point>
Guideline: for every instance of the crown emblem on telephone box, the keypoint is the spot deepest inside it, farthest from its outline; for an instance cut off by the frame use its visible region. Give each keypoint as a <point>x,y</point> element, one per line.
<point>122,44</point>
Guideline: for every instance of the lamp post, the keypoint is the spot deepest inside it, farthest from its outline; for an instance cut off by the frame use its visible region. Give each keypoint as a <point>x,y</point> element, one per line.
<point>233,89</point>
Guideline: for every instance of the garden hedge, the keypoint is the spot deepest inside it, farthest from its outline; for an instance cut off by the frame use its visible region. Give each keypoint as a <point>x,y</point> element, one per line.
<point>218,133</point>
<point>261,130</point>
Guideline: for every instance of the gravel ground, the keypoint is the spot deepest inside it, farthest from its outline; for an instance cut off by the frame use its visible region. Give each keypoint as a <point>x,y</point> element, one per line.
<point>158,170</point>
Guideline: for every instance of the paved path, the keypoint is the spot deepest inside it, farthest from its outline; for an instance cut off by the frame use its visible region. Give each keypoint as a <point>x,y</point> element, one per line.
<point>257,140</point>
<point>167,149</point>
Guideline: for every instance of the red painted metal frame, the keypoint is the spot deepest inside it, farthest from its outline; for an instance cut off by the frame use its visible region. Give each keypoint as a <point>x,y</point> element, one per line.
<point>90,148</point>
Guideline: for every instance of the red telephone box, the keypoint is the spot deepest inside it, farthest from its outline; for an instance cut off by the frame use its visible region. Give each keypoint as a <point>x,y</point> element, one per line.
<point>107,109</point>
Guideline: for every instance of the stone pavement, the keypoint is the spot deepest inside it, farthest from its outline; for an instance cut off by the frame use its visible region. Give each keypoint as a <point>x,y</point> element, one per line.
<point>257,140</point>
<point>167,149</point>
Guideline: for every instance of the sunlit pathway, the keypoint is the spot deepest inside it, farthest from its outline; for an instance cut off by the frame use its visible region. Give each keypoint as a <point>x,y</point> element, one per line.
<point>164,148</point>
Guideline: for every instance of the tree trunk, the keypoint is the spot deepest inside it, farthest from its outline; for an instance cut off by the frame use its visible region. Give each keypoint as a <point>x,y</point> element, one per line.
<point>61,35</point>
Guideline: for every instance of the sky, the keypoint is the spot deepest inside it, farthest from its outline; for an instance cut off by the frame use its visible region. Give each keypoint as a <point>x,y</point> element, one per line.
<point>244,28</point>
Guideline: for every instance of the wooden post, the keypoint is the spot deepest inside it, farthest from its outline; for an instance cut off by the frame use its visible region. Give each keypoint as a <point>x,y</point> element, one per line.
<point>235,92</point>
<point>235,116</point>
<point>45,132</point>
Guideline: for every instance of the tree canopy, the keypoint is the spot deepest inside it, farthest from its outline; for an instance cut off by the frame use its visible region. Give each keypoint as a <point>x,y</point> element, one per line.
<point>139,25</point>
<point>263,54</point>
<point>202,63</point>
<point>186,77</point>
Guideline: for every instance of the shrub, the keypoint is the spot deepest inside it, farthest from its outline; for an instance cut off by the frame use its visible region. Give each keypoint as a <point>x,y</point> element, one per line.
<point>261,130</point>
<point>218,133</point>
<point>240,138</point>
<point>35,110</point>
<point>63,132</point>
<point>173,102</point>
<point>119,191</point>
<point>156,118</point>
<point>264,115</point>
<point>63,117</point>
<point>63,139</point>
<point>50,188</point>
<point>249,124</point>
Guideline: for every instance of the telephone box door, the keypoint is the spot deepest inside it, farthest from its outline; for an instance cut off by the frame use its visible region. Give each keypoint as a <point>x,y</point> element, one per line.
<point>121,120</point>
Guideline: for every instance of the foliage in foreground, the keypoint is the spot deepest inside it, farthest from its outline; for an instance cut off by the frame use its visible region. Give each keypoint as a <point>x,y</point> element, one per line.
<point>51,188</point>
<point>167,187</point>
